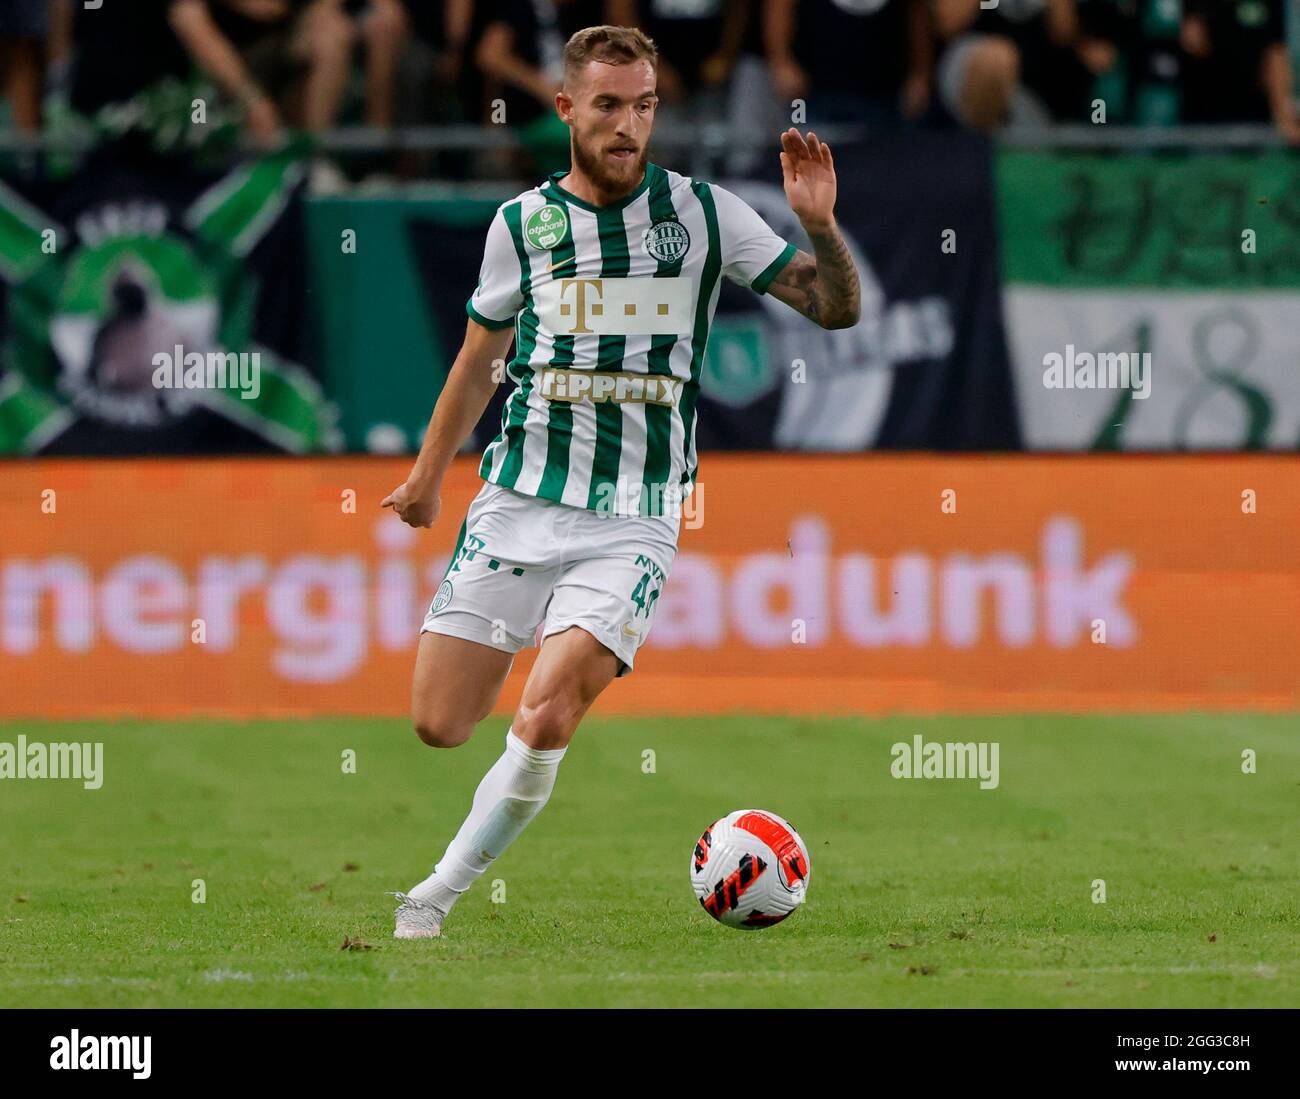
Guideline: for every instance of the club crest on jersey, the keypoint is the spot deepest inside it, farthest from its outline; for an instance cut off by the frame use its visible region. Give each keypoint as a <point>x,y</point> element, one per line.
<point>667,240</point>
<point>546,228</point>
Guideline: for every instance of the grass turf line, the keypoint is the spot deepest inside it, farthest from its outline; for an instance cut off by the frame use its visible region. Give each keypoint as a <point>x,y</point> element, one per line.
<point>923,892</point>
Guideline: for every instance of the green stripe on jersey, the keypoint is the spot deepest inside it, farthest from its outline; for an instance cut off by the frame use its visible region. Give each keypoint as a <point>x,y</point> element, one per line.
<point>455,553</point>
<point>700,337</point>
<point>765,277</point>
<point>516,409</point>
<point>487,322</point>
<point>559,414</point>
<point>659,418</point>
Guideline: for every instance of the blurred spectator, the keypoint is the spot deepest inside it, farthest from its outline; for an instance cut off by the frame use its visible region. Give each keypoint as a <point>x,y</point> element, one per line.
<point>441,29</point>
<point>1237,68</point>
<point>288,61</point>
<point>24,28</point>
<point>754,110</point>
<point>519,49</point>
<point>576,15</point>
<point>869,60</point>
<point>699,42</point>
<point>1026,59</point>
<point>102,38</point>
<point>382,26</point>
<point>1132,46</point>
<point>430,83</point>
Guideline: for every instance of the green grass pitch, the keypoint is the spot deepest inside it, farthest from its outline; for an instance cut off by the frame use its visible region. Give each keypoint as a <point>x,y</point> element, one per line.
<point>923,893</point>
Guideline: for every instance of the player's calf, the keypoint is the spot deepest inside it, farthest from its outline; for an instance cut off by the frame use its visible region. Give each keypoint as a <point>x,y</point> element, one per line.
<point>455,687</point>
<point>511,794</point>
<point>571,671</point>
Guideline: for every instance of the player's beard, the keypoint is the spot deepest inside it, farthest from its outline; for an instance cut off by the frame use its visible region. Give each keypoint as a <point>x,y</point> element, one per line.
<point>596,168</point>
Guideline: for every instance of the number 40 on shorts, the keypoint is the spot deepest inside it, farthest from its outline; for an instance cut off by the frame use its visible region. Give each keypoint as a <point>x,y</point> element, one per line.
<point>643,595</point>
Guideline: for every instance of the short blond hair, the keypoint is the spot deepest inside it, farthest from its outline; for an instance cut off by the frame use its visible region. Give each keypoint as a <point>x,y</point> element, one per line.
<point>614,45</point>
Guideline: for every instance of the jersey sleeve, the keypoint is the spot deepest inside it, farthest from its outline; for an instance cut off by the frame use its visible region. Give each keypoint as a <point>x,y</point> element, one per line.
<point>497,298</point>
<point>752,254</point>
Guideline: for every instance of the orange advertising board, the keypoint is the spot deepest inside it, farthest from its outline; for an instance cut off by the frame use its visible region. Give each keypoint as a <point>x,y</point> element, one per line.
<point>867,583</point>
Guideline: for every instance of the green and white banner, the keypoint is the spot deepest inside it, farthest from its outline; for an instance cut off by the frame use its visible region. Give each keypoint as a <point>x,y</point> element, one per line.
<point>1187,266</point>
<point>148,314</point>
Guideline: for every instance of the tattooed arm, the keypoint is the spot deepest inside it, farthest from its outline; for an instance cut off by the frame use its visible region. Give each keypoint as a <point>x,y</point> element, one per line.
<point>824,286</point>
<point>824,289</point>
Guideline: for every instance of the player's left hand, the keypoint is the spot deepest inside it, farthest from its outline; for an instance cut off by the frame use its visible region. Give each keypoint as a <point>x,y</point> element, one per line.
<point>809,175</point>
<point>414,507</point>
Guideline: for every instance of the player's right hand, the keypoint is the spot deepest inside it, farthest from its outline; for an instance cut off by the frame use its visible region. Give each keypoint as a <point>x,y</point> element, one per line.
<point>415,509</point>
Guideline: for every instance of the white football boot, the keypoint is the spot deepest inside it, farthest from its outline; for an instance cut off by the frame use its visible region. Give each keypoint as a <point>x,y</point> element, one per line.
<point>416,919</point>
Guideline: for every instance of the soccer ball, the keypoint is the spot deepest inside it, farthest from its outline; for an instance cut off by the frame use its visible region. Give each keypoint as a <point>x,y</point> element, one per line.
<point>750,869</point>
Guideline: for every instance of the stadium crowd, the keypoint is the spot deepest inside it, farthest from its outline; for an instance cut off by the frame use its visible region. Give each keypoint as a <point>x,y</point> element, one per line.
<point>316,64</point>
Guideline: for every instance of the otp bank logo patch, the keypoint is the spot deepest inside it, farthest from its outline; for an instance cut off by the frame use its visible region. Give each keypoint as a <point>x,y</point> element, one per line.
<point>546,228</point>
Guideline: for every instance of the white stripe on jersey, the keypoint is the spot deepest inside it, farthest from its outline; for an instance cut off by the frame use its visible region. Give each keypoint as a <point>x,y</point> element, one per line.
<point>582,447</point>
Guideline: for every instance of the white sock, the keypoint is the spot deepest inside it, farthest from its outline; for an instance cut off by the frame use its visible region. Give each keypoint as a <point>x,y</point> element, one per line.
<point>512,792</point>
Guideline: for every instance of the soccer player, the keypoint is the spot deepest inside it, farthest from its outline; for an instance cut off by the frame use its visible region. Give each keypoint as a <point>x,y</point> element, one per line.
<point>605,277</point>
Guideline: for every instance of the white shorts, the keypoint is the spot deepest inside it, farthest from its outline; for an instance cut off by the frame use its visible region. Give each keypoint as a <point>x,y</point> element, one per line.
<point>522,562</point>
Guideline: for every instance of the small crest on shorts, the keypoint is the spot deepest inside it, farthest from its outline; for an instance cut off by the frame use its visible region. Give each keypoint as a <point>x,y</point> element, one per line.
<point>442,598</point>
<point>667,240</point>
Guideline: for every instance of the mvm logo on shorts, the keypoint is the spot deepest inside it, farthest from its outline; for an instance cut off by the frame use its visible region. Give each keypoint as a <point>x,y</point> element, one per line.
<point>621,387</point>
<point>616,306</point>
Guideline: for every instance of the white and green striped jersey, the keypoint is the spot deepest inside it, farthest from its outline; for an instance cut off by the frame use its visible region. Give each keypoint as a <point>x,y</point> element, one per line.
<point>612,307</point>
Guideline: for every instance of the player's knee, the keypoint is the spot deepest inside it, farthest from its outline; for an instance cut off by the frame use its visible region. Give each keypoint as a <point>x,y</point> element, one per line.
<point>547,722</point>
<point>443,732</point>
